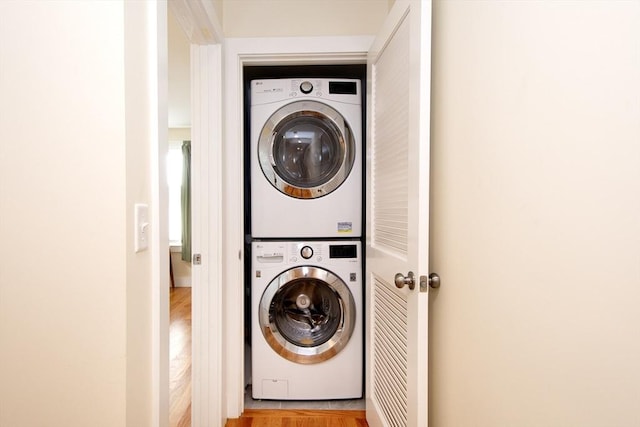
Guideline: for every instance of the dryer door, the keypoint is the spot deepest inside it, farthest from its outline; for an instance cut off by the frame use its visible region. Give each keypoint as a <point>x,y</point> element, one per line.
<point>307,314</point>
<point>306,149</point>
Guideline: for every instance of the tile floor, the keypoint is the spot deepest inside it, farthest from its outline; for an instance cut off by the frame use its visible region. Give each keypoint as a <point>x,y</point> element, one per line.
<point>250,403</point>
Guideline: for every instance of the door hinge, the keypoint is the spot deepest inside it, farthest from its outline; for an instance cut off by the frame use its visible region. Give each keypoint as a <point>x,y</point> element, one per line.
<point>197,259</point>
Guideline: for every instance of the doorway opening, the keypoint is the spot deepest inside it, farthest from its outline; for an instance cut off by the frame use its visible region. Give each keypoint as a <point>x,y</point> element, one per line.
<point>179,215</point>
<point>254,72</point>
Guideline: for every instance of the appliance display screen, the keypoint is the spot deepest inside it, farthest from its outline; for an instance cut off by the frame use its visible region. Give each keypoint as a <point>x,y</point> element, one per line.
<point>343,88</point>
<point>342,251</point>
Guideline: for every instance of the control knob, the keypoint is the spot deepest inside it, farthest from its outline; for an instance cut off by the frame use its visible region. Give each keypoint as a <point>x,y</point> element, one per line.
<point>306,252</point>
<point>306,87</point>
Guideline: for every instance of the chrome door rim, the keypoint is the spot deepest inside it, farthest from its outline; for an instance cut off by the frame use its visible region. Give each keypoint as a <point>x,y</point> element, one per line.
<point>307,354</point>
<point>292,111</point>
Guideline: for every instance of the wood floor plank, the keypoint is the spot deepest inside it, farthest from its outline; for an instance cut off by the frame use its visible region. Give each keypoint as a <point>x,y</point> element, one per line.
<point>291,413</point>
<point>299,418</point>
<point>180,357</point>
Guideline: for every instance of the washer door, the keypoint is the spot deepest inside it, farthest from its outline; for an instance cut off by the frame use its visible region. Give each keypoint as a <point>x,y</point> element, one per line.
<point>307,314</point>
<point>306,149</point>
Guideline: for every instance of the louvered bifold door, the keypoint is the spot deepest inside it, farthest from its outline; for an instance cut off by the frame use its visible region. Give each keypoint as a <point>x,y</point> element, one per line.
<point>389,180</point>
<point>397,219</point>
<point>389,202</point>
<point>390,354</point>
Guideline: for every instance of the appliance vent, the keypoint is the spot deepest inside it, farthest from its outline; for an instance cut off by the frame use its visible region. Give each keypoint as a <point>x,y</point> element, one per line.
<point>390,354</point>
<point>390,146</point>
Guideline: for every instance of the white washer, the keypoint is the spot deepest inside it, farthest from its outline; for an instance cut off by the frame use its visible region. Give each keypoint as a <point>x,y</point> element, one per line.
<point>306,320</point>
<point>306,158</point>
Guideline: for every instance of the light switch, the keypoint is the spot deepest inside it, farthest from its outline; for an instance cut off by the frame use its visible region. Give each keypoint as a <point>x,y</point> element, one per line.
<point>141,224</point>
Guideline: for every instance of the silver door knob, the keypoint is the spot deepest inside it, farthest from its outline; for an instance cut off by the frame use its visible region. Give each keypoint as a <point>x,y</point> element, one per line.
<point>402,281</point>
<point>434,280</point>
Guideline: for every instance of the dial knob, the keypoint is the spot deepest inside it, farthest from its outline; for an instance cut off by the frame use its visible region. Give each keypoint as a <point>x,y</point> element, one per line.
<point>306,87</point>
<point>306,252</point>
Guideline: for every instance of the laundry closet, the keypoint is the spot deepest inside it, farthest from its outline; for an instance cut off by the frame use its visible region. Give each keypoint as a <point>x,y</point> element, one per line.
<point>304,129</point>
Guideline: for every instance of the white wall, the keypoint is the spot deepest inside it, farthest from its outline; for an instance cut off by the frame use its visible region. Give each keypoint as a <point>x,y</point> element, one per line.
<point>284,18</point>
<point>75,310</point>
<point>536,214</point>
<point>181,269</point>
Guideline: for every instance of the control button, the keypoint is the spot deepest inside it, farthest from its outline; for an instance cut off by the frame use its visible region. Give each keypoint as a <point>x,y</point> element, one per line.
<point>306,252</point>
<point>306,87</point>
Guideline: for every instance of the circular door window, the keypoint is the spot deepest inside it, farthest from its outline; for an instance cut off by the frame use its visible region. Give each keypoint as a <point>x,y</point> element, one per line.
<point>306,149</point>
<point>307,315</point>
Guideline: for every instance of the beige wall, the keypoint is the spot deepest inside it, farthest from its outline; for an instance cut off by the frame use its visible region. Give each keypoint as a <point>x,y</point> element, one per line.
<point>74,305</point>
<point>218,6</point>
<point>284,18</point>
<point>179,75</point>
<point>536,214</point>
<point>139,125</point>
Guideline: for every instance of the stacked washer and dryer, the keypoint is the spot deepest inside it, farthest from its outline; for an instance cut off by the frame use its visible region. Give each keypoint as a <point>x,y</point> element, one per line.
<point>306,224</point>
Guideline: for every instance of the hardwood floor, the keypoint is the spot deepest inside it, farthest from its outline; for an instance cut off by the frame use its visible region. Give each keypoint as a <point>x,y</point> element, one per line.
<point>298,418</point>
<point>180,358</point>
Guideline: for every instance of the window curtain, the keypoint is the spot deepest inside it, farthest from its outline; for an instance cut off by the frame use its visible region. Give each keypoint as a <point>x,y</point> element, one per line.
<point>185,201</point>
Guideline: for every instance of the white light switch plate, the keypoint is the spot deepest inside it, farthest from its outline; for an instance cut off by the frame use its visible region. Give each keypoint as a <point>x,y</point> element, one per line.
<point>141,224</point>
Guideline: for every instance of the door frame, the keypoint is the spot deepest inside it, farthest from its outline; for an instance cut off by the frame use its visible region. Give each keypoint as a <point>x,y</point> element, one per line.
<point>239,53</point>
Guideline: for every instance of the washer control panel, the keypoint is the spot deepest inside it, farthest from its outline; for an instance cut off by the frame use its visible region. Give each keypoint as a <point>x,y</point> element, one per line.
<point>316,252</point>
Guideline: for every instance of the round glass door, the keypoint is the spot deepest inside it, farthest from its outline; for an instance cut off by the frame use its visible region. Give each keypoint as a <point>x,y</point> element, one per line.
<point>307,315</point>
<point>306,149</point>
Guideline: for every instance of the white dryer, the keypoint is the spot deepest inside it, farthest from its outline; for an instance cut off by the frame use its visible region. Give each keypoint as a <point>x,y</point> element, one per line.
<point>307,320</point>
<point>306,158</point>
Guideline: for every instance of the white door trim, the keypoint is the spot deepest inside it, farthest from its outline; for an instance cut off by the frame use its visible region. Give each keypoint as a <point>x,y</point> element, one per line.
<point>239,53</point>
<point>156,21</point>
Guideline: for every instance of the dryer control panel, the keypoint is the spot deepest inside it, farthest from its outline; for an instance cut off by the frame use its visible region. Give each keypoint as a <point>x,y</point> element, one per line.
<point>272,90</point>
